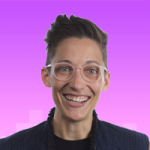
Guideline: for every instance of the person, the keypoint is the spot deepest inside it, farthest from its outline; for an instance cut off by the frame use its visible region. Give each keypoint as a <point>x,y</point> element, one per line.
<point>76,70</point>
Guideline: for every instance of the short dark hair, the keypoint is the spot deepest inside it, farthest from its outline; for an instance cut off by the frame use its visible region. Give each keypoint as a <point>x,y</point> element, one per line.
<point>64,28</point>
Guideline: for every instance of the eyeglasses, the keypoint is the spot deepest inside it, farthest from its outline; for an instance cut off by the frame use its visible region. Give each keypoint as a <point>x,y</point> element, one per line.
<point>65,71</point>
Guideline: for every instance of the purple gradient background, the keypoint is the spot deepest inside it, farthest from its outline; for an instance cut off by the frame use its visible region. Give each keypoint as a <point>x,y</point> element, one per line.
<point>26,102</point>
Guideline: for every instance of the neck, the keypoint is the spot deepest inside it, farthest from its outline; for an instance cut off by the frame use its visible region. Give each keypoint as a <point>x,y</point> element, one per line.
<point>72,130</point>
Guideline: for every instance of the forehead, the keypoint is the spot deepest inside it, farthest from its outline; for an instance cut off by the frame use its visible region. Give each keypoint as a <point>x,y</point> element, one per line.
<point>78,51</point>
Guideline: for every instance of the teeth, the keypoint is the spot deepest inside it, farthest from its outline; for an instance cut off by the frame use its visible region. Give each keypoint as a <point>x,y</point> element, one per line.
<point>76,99</point>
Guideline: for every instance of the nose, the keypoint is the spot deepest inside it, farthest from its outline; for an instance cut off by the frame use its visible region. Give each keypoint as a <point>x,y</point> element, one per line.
<point>77,82</point>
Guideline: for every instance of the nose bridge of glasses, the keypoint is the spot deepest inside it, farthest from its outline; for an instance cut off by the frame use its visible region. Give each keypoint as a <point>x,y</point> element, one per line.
<point>80,70</point>
<point>77,67</point>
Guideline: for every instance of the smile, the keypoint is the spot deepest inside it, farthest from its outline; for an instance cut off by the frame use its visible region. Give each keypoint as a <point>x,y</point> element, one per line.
<point>76,98</point>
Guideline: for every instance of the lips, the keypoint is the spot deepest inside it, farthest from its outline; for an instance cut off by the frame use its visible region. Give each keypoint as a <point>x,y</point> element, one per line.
<point>75,104</point>
<point>84,96</point>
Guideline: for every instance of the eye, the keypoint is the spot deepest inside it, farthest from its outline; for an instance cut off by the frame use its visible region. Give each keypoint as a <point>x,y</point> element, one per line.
<point>93,71</point>
<point>63,68</point>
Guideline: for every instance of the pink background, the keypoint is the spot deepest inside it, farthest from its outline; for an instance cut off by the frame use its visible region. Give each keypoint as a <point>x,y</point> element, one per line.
<point>26,102</point>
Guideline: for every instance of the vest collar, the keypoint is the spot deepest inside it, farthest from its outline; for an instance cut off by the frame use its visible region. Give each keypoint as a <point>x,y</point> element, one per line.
<point>51,142</point>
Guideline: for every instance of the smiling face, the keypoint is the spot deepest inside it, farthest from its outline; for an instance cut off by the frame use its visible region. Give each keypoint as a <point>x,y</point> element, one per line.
<point>78,51</point>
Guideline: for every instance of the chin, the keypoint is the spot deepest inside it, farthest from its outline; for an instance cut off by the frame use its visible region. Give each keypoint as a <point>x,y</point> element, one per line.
<point>75,116</point>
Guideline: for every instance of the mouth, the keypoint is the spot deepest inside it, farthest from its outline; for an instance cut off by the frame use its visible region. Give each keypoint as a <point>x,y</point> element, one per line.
<point>75,103</point>
<point>74,98</point>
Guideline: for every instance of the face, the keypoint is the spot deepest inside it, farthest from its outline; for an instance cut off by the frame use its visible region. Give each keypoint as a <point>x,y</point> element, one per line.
<point>78,51</point>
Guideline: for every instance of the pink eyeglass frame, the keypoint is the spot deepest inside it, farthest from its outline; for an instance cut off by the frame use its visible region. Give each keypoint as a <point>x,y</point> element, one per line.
<point>76,67</point>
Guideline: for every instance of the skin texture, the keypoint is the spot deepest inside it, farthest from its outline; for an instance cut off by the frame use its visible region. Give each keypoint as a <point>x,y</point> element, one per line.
<point>75,123</point>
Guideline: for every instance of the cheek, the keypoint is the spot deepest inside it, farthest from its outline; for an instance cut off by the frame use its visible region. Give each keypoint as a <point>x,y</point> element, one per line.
<point>96,88</point>
<point>56,85</point>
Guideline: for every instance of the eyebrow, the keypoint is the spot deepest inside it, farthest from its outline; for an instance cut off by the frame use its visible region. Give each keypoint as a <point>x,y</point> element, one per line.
<point>87,62</point>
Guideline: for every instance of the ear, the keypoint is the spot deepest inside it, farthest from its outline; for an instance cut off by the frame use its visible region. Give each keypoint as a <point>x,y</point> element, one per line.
<point>45,77</point>
<point>106,81</point>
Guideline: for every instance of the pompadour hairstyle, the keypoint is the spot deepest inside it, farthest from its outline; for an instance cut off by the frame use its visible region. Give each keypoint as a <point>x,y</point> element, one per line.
<point>77,27</point>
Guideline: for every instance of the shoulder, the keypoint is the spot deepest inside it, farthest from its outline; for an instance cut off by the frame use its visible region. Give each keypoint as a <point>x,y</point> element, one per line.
<point>25,137</point>
<point>123,135</point>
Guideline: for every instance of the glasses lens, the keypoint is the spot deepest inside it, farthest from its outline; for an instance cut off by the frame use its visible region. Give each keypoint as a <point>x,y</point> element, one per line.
<point>91,72</point>
<point>63,71</point>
